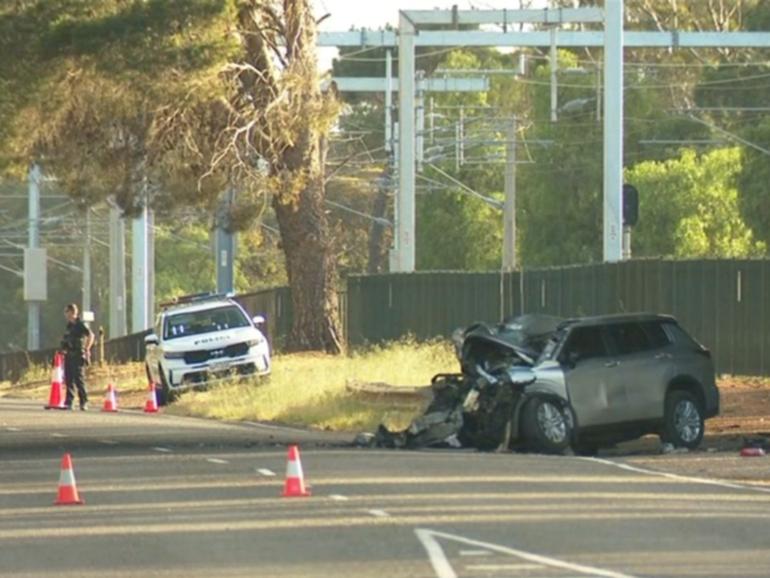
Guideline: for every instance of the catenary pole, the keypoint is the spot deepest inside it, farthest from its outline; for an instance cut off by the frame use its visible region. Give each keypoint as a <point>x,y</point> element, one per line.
<point>613,131</point>
<point>33,307</point>
<point>117,315</point>
<point>405,206</point>
<point>509,207</point>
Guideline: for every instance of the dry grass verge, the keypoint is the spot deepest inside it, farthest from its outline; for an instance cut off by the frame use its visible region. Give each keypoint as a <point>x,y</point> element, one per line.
<point>309,388</point>
<point>130,381</point>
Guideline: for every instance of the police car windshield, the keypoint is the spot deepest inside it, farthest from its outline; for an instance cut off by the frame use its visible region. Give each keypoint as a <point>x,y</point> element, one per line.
<point>185,324</point>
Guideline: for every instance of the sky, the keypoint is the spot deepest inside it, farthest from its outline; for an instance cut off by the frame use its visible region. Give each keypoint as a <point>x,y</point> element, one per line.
<point>376,14</point>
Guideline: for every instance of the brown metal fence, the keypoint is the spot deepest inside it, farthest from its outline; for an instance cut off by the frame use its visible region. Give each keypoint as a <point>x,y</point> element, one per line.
<point>724,303</point>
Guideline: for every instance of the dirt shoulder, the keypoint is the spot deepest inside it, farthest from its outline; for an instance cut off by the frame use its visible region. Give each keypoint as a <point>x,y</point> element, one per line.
<point>745,414</point>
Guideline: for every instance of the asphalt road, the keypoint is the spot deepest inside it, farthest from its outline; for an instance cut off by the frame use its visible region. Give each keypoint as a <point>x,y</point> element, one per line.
<point>170,496</point>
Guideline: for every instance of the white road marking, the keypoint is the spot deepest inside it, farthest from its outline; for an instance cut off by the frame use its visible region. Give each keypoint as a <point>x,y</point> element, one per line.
<point>217,461</point>
<point>677,477</point>
<point>508,567</point>
<point>443,569</point>
<point>58,435</point>
<point>13,429</point>
<point>339,498</point>
<point>164,450</point>
<point>108,442</point>
<point>379,513</point>
<point>266,472</point>
<point>475,553</point>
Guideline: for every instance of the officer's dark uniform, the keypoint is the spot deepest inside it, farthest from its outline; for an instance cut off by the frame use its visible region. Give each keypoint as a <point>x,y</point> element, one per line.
<point>74,346</point>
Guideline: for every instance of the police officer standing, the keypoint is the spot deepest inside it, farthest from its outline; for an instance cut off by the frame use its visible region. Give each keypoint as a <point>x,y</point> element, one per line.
<point>76,344</point>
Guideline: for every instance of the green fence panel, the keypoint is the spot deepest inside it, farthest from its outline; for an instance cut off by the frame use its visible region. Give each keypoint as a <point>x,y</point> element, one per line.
<point>749,324</point>
<point>708,323</point>
<point>725,304</point>
<point>725,280</point>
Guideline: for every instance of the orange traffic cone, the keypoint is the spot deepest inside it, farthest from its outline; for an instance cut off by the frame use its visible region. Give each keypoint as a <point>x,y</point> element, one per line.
<point>68,491</point>
<point>56,397</point>
<point>152,400</point>
<point>110,401</point>
<point>295,480</point>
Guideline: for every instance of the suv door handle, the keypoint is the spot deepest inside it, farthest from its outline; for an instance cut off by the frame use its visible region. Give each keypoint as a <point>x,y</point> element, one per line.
<point>612,364</point>
<point>663,356</point>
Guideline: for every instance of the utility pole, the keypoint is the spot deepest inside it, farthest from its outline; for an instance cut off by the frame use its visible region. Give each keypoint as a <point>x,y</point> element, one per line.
<point>224,245</point>
<point>420,133</point>
<point>33,305</point>
<point>554,62</point>
<point>509,207</point>
<point>388,100</point>
<point>150,267</point>
<point>139,272</point>
<point>405,217</point>
<point>613,131</point>
<point>117,274</point>
<point>86,304</point>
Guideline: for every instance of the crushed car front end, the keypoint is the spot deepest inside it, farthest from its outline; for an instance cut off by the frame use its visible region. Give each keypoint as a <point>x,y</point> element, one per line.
<point>484,405</point>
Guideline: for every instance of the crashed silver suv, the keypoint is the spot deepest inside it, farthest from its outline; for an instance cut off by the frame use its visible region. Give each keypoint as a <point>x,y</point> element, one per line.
<point>602,380</point>
<point>545,384</point>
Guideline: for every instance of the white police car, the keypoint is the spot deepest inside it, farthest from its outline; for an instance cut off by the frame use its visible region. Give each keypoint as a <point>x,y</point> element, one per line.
<point>203,338</point>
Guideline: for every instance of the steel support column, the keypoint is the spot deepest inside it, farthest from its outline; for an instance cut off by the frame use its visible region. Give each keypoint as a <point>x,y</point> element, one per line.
<point>86,303</point>
<point>405,206</point>
<point>613,131</point>
<point>117,274</point>
<point>139,273</point>
<point>509,208</point>
<point>33,307</point>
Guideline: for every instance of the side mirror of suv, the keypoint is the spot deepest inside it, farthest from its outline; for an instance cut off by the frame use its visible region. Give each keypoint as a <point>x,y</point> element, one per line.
<point>151,339</point>
<point>258,320</point>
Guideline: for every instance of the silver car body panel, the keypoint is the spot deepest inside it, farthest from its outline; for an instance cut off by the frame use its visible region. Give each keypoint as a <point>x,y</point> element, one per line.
<point>616,389</point>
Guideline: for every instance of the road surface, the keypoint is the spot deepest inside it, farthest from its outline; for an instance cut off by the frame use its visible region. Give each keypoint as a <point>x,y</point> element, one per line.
<point>170,496</point>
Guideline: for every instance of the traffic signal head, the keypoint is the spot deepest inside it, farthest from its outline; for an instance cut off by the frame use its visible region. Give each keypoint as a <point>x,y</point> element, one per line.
<point>630,205</point>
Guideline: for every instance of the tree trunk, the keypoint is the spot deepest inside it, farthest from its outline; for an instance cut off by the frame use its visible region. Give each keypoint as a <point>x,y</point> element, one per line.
<point>310,265</point>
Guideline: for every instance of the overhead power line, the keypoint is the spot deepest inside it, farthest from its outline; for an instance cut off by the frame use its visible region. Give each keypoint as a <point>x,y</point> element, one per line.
<point>730,135</point>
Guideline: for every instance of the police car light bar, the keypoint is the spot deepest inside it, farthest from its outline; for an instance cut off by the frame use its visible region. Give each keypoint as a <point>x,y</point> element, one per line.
<point>196,298</point>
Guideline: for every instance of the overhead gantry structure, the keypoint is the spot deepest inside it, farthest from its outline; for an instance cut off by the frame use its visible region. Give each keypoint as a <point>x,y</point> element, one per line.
<point>524,28</point>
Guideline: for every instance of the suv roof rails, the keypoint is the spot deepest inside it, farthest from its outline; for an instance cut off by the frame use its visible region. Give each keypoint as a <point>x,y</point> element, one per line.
<point>196,298</point>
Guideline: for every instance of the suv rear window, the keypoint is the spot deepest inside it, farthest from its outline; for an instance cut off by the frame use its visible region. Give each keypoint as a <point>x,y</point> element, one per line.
<point>679,335</point>
<point>629,338</point>
<point>656,334</point>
